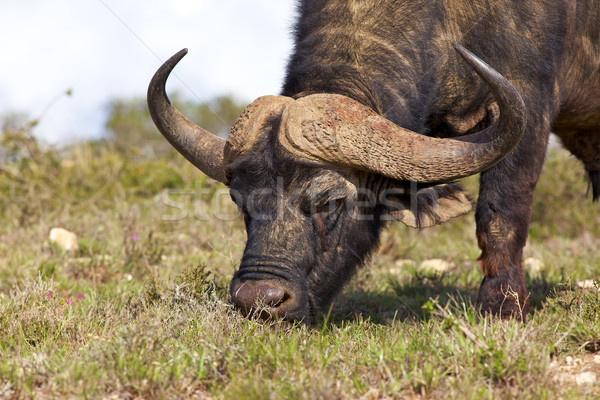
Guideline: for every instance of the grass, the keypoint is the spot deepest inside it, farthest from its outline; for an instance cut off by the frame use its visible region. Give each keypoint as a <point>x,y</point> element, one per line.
<point>141,309</point>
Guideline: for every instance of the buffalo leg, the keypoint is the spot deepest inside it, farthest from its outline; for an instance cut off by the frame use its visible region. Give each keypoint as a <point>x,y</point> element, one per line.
<point>503,215</point>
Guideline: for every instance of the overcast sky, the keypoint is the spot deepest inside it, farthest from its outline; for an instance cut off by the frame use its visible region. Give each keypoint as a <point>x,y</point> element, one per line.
<point>106,49</point>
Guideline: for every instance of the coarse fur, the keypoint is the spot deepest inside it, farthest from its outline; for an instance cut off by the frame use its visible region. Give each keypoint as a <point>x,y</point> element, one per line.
<point>310,252</point>
<point>314,208</point>
<point>309,227</point>
<point>396,57</point>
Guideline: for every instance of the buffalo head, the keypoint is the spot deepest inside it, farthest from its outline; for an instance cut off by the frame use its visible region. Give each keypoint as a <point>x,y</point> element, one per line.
<point>317,177</point>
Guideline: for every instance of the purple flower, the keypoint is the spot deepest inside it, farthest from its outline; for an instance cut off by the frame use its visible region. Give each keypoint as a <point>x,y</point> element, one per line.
<point>68,301</point>
<point>134,237</point>
<point>79,296</point>
<point>49,294</point>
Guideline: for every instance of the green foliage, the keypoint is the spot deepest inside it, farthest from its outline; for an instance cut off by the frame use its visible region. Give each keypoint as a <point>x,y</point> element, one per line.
<point>132,131</point>
<point>38,181</point>
<point>196,281</point>
<point>563,200</point>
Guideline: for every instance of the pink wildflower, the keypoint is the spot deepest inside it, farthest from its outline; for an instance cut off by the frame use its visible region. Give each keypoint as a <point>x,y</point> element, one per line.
<point>134,237</point>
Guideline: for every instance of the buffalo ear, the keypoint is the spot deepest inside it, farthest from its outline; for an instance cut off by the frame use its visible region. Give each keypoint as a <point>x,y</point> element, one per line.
<point>428,206</point>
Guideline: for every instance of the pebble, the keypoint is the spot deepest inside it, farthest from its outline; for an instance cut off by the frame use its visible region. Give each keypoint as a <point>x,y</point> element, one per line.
<point>585,378</point>
<point>533,265</point>
<point>64,239</point>
<point>587,284</point>
<point>568,359</point>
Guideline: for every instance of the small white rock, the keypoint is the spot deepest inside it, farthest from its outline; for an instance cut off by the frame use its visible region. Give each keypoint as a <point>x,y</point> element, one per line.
<point>585,378</point>
<point>587,284</point>
<point>568,359</point>
<point>533,265</point>
<point>64,239</point>
<point>436,266</point>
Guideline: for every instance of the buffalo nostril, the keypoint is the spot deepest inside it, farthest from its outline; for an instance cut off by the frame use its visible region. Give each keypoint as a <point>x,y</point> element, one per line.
<point>251,293</point>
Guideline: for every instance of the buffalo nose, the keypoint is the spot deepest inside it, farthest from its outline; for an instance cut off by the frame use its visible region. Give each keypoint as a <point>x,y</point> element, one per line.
<point>250,294</point>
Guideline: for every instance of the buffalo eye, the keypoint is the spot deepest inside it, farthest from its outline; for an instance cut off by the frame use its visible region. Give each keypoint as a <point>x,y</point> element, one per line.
<point>330,207</point>
<point>327,214</point>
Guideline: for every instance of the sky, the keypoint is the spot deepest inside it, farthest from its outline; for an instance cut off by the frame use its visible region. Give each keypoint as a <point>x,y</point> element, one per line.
<point>107,49</point>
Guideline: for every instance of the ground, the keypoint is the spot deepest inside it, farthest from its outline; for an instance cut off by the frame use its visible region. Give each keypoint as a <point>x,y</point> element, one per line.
<point>139,308</point>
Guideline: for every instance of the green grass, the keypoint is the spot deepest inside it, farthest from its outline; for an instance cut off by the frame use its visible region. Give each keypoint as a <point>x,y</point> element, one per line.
<point>141,309</point>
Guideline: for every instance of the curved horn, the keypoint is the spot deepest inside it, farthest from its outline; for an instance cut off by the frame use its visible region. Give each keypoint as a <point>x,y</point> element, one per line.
<point>199,146</point>
<point>340,131</point>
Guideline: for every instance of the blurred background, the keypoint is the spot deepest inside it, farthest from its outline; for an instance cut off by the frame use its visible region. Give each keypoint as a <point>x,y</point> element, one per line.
<point>76,69</point>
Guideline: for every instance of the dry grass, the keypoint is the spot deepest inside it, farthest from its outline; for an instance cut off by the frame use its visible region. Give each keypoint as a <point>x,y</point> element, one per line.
<point>140,310</point>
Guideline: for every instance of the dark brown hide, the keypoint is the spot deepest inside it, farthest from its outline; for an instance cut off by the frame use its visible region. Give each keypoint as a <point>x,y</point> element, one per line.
<point>310,225</point>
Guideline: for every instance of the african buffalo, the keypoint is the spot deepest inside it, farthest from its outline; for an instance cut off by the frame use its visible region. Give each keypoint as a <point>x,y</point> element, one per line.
<point>378,116</point>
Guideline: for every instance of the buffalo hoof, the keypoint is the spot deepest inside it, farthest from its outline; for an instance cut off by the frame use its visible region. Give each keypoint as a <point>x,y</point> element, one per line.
<point>503,296</point>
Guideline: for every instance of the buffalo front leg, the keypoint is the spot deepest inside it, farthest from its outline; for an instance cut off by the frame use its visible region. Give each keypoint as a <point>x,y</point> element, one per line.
<point>503,215</point>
